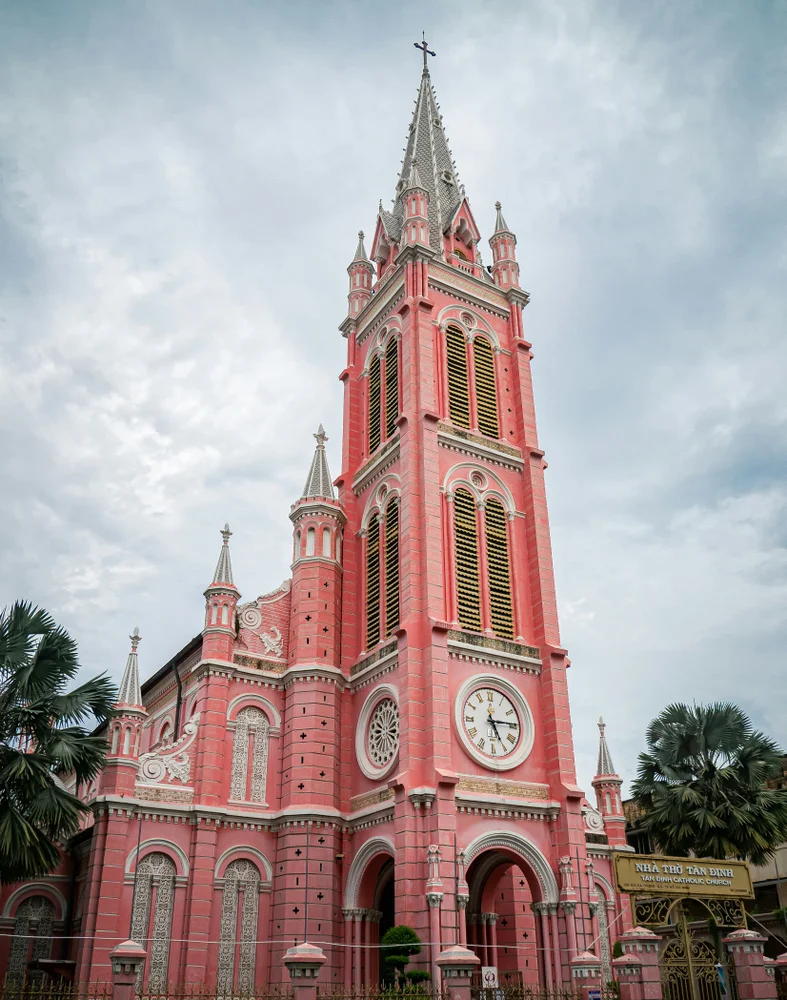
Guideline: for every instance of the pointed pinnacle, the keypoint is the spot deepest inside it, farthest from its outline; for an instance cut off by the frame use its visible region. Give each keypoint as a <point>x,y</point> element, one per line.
<point>135,639</point>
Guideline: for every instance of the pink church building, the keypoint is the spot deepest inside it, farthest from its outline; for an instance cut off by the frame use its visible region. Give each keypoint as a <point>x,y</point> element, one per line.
<point>384,739</point>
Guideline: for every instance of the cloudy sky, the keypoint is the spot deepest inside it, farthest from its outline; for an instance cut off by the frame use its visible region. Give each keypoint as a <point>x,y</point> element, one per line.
<point>180,188</point>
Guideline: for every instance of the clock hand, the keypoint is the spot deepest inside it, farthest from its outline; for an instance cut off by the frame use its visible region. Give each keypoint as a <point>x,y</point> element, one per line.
<point>502,722</point>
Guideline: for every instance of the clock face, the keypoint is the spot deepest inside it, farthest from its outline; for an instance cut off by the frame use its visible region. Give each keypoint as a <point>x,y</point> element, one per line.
<point>491,722</point>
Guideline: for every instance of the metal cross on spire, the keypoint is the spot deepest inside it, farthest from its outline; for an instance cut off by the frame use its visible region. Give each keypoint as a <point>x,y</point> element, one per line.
<point>423,45</point>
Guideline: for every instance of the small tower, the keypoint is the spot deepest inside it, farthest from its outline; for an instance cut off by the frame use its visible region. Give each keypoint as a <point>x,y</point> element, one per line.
<point>505,269</point>
<point>415,202</point>
<point>607,784</point>
<point>361,271</point>
<point>125,729</point>
<point>221,600</point>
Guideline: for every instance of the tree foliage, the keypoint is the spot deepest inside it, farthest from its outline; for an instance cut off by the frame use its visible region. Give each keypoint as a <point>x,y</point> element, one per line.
<point>42,739</point>
<point>398,945</point>
<point>701,784</point>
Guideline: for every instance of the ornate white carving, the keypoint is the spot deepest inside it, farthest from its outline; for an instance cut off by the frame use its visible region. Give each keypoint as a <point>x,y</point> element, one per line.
<point>251,724</point>
<point>250,616</point>
<point>594,821</point>
<point>603,940</point>
<point>33,915</point>
<point>241,881</point>
<point>154,869</point>
<point>383,741</point>
<point>170,761</point>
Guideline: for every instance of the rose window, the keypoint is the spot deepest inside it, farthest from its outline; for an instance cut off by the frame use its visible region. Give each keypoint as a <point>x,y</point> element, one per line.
<point>384,732</point>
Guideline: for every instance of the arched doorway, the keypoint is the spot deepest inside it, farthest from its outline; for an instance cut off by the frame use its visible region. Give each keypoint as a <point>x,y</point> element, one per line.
<point>512,910</point>
<point>370,908</point>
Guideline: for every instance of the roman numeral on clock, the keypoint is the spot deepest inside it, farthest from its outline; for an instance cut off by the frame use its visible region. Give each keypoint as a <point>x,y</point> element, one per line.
<point>471,733</point>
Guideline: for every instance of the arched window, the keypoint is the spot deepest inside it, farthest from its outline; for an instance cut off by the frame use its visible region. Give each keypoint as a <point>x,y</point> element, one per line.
<point>248,783</point>
<point>468,591</point>
<point>115,739</point>
<point>296,552</point>
<point>458,393</point>
<point>32,937</point>
<point>485,388</point>
<point>391,386</point>
<point>165,736</point>
<point>151,920</point>
<point>127,740</point>
<point>240,897</point>
<point>326,542</point>
<point>338,547</point>
<point>310,542</point>
<point>392,565</point>
<point>373,583</point>
<point>225,614</point>
<point>501,611</point>
<point>374,404</point>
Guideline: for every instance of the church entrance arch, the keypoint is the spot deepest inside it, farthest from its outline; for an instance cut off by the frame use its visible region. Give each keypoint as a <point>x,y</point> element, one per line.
<point>370,909</point>
<point>511,911</point>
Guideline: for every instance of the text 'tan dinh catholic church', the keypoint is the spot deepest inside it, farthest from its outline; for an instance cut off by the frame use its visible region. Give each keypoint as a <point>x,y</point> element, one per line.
<point>386,738</point>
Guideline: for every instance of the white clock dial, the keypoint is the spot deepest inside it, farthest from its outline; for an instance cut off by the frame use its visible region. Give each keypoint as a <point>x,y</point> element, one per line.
<point>491,722</point>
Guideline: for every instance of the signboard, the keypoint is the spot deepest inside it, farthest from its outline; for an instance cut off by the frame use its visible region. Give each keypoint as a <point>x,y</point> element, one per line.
<point>659,876</point>
<point>489,976</point>
<point>594,994</point>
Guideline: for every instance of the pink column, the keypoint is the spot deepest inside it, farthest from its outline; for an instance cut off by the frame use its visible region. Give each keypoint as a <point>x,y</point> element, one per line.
<point>482,928</point>
<point>368,950</point>
<point>585,974</point>
<point>357,917</point>
<point>492,922</point>
<point>348,950</point>
<point>462,901</point>
<point>628,975</point>
<point>643,945</point>
<point>555,944</point>
<point>303,963</point>
<point>748,956</point>
<point>571,927</point>
<point>457,965</point>
<point>434,899</point>
<point>542,909</point>
<point>127,959</point>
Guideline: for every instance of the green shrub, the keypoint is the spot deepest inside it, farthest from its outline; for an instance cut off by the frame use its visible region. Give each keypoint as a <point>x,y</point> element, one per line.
<point>617,950</point>
<point>397,947</point>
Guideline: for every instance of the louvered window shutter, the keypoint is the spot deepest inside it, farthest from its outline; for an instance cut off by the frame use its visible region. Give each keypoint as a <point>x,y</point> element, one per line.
<point>373,583</point>
<point>392,566</point>
<point>374,404</point>
<point>458,395</point>
<point>391,386</point>
<point>501,612</point>
<point>468,591</point>
<point>485,388</point>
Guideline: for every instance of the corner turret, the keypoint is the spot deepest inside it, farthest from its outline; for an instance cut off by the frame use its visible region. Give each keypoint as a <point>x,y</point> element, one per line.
<point>125,729</point>
<point>607,784</point>
<point>361,271</point>
<point>221,600</point>
<point>505,270</point>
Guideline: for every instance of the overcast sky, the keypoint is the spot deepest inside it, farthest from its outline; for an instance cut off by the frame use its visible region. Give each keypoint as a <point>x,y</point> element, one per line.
<point>180,188</point>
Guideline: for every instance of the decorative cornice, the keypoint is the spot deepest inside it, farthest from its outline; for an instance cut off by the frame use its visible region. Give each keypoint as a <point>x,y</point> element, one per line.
<point>485,450</point>
<point>476,291</point>
<point>472,648</point>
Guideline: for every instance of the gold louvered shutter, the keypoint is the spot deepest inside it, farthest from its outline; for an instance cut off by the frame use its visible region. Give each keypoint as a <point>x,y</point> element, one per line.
<point>391,386</point>
<point>373,583</point>
<point>501,612</point>
<point>485,388</point>
<point>458,395</point>
<point>374,404</point>
<point>392,566</point>
<point>468,591</point>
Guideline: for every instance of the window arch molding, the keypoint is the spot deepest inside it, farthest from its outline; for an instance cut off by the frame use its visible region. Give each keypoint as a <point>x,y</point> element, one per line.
<point>30,889</point>
<point>244,854</point>
<point>461,474</point>
<point>378,501</point>
<point>158,846</point>
<point>391,328</point>
<point>254,701</point>
<point>458,316</point>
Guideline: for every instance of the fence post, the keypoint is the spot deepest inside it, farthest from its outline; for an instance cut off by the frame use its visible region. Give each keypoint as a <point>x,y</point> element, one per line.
<point>127,959</point>
<point>585,973</point>
<point>748,956</point>
<point>457,965</point>
<point>628,974</point>
<point>304,962</point>
<point>643,944</point>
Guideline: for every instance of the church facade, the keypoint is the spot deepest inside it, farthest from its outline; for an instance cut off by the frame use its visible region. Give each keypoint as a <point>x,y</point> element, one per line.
<point>384,739</point>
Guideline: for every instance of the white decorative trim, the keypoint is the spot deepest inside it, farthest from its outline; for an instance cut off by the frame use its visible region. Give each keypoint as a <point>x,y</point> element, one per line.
<point>372,847</point>
<point>33,889</point>
<point>264,864</point>
<point>518,844</point>
<point>170,760</point>
<point>259,701</point>
<point>609,892</point>
<point>468,653</point>
<point>157,844</point>
<point>460,474</point>
<point>525,715</point>
<point>469,446</point>
<point>452,315</point>
<point>369,768</point>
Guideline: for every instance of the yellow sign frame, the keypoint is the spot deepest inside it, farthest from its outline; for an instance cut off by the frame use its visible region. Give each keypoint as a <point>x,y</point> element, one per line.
<point>658,875</point>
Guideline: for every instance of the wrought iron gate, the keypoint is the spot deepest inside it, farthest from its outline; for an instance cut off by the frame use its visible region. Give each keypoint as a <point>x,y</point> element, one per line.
<point>691,969</point>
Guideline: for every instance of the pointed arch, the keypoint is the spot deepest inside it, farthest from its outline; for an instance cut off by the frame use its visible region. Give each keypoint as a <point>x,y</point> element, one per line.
<point>468,590</point>
<point>458,387</point>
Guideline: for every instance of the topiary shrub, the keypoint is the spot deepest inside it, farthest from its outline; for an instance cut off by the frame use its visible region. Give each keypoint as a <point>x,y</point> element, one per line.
<point>416,976</point>
<point>397,947</point>
<point>617,950</point>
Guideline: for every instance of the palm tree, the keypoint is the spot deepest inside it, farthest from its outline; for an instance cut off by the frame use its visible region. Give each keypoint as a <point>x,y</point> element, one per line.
<point>702,784</point>
<point>42,739</point>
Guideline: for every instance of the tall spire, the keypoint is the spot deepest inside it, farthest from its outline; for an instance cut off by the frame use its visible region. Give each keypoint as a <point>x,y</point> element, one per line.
<point>427,150</point>
<point>605,766</point>
<point>500,222</point>
<point>223,572</point>
<point>360,250</point>
<point>130,693</point>
<point>318,482</point>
